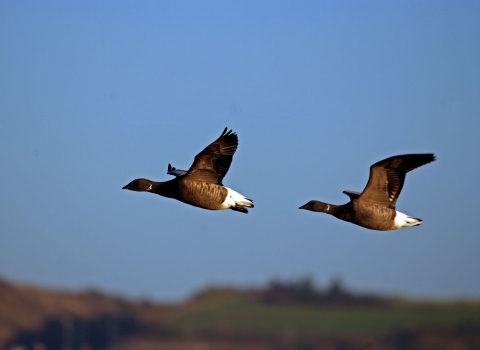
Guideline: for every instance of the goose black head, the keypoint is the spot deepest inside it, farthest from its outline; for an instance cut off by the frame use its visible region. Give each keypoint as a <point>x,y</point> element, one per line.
<point>316,206</point>
<point>139,185</point>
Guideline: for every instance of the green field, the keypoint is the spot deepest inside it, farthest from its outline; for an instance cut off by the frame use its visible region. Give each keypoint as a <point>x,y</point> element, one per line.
<point>251,318</point>
<point>246,319</point>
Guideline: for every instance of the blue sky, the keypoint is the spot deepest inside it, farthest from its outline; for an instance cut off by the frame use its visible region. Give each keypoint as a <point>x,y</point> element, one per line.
<point>95,94</point>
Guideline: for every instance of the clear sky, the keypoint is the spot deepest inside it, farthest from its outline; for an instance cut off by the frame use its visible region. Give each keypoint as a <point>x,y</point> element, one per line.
<point>94,94</point>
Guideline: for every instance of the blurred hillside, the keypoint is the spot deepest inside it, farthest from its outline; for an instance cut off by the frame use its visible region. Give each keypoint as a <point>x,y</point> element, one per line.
<point>279,316</point>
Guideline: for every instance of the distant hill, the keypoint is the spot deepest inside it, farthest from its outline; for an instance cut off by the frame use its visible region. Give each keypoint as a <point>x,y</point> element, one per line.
<point>280,316</point>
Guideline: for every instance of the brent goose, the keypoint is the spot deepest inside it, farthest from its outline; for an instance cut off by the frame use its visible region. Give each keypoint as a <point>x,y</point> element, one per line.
<point>374,208</point>
<point>201,185</point>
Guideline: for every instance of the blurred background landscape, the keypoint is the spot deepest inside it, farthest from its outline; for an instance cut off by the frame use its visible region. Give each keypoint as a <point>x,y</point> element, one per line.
<point>279,315</point>
<point>94,94</point>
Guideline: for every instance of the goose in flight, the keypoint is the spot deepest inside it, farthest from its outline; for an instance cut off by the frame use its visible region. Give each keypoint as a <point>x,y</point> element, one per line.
<point>374,208</point>
<point>201,185</point>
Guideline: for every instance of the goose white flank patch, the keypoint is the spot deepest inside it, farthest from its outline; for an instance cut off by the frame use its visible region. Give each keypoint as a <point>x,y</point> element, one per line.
<point>234,198</point>
<point>201,185</point>
<point>374,208</point>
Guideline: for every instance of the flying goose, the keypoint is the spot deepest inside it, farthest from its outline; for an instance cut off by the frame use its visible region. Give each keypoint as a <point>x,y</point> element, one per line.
<point>374,208</point>
<point>201,185</point>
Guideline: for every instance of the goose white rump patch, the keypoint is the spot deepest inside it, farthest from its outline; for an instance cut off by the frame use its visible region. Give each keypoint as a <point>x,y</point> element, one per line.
<point>403,220</point>
<point>235,199</point>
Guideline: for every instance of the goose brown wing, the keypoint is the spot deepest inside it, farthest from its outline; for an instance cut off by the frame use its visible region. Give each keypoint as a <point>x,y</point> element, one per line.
<point>352,194</point>
<point>213,162</point>
<point>388,176</point>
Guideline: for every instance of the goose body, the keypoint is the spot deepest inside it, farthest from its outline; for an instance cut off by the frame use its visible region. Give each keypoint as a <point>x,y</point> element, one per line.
<point>201,185</point>
<point>374,208</point>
